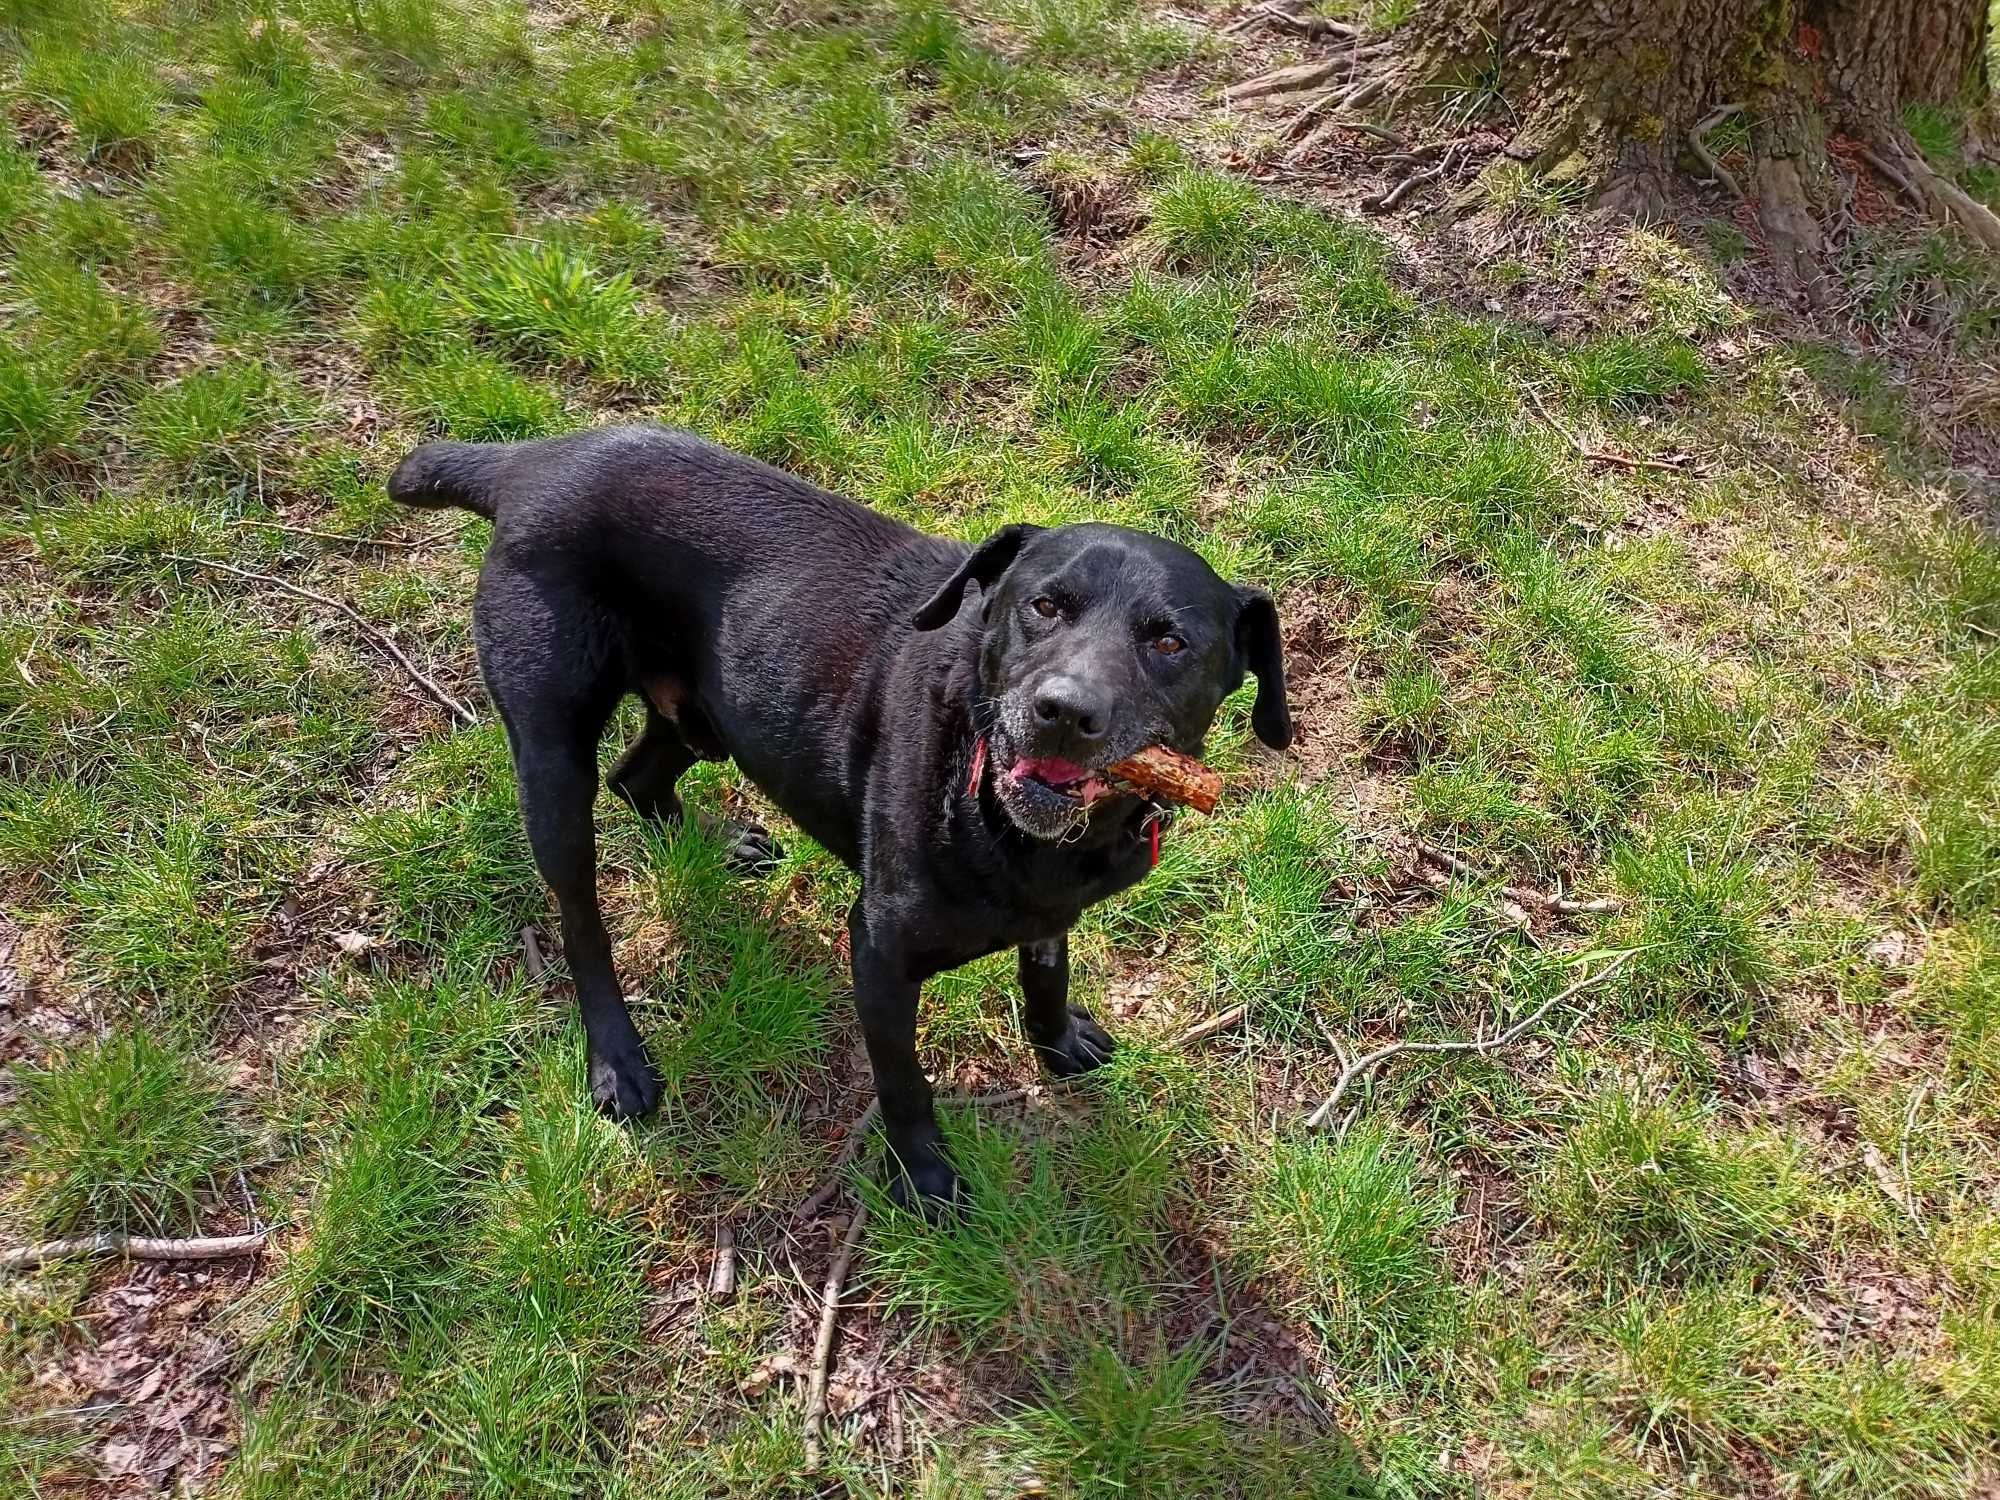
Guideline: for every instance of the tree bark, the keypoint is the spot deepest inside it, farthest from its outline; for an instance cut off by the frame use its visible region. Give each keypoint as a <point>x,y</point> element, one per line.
<point>1615,93</point>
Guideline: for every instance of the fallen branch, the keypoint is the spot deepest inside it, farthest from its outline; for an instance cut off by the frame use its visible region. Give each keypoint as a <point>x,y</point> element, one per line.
<point>1698,142</point>
<point>1525,895</point>
<point>1222,1021</point>
<point>458,710</point>
<point>857,1137</point>
<point>131,1247</point>
<point>1361,1067</point>
<point>829,1316</point>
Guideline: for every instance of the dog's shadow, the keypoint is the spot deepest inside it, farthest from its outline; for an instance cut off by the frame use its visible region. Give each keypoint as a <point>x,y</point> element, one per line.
<point>1081,1307</point>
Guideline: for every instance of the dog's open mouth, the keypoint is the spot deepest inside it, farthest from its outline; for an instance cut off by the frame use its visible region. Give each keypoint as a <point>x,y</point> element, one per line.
<point>1052,777</point>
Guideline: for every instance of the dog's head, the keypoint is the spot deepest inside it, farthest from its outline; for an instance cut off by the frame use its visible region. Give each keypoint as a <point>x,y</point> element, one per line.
<point>1099,641</point>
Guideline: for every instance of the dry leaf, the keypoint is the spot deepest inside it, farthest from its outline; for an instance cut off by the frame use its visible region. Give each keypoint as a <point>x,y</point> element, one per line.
<point>769,1368</point>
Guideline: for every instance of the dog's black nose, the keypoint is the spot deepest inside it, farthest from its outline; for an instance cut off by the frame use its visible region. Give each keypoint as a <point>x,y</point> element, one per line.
<point>1067,703</point>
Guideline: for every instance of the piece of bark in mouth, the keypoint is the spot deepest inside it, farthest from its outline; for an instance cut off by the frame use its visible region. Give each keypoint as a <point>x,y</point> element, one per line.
<point>1166,775</point>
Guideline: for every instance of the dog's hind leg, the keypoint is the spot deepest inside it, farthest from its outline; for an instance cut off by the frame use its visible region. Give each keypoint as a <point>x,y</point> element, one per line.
<point>555,689</point>
<point>557,768</point>
<point>645,774</point>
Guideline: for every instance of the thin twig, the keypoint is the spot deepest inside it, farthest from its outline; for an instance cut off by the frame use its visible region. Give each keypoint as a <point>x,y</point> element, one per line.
<point>1600,455</point>
<point>1222,1021</point>
<point>339,536</point>
<point>1363,1066</point>
<point>1698,140</point>
<point>249,1201</point>
<point>131,1247</point>
<point>722,1275</point>
<point>857,1137</point>
<point>829,1316</point>
<point>1526,895</point>
<point>377,637</point>
<point>1903,1156</point>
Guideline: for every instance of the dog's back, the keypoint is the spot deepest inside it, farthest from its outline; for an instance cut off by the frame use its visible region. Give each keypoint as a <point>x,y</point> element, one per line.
<point>647,558</point>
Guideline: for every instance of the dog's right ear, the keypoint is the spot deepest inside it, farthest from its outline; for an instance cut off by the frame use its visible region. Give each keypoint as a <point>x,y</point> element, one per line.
<point>988,561</point>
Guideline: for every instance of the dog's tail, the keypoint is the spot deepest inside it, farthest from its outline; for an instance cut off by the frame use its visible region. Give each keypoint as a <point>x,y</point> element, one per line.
<point>443,473</point>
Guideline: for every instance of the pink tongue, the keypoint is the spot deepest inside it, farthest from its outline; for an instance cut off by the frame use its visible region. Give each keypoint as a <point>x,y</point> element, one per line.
<point>1053,770</point>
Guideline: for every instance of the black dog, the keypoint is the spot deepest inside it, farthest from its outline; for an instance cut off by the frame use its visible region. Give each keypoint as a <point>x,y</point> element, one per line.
<point>824,648</point>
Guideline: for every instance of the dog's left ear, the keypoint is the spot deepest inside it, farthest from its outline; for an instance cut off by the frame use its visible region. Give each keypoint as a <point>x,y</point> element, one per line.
<point>988,561</point>
<point>1264,654</point>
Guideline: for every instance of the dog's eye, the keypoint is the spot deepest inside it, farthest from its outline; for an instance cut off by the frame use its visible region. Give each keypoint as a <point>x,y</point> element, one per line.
<point>1168,645</point>
<point>1047,608</point>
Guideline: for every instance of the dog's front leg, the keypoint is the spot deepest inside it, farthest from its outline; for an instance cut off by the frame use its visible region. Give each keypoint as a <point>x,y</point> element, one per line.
<point>885,995</point>
<point>1066,1039</point>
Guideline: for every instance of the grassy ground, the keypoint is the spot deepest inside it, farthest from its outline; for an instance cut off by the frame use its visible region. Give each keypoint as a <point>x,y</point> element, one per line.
<point>1729,1224</point>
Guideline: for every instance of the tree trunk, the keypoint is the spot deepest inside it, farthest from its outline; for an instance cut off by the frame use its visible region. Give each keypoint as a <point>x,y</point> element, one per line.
<point>1620,94</point>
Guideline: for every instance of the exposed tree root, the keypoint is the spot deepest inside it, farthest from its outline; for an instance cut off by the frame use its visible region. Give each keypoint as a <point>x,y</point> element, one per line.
<point>1786,212</point>
<point>1799,204</point>
<point>1279,19</point>
<point>1698,143</point>
<point>1416,179</point>
<point>1945,199</point>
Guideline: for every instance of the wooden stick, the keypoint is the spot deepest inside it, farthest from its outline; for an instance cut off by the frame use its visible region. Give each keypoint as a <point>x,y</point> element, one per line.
<point>1362,1066</point>
<point>829,1316</point>
<point>377,637</point>
<point>1222,1021</point>
<point>722,1275</point>
<point>132,1247</point>
<point>531,954</point>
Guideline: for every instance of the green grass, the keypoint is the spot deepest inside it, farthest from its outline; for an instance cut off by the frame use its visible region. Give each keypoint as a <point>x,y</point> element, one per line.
<point>1721,1225</point>
<point>132,1133</point>
<point>1643,1189</point>
<point>1354,1224</point>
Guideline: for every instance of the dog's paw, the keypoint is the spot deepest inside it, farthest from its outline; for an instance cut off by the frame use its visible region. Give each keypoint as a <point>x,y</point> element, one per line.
<point>623,1082</point>
<point>932,1188</point>
<point>749,849</point>
<point>1084,1046</point>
